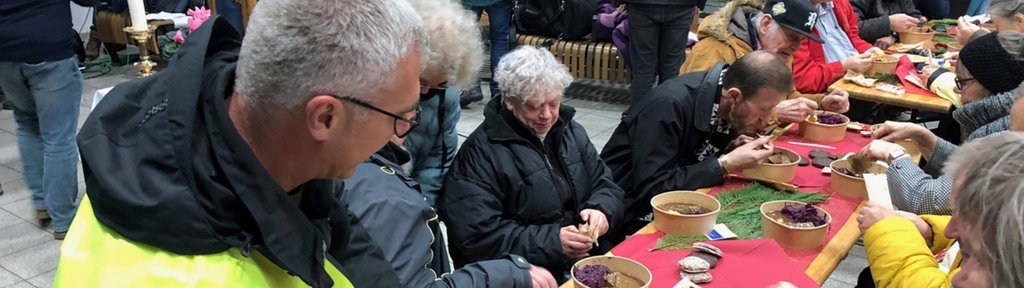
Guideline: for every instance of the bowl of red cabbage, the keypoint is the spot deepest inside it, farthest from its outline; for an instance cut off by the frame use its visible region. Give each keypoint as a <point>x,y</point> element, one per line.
<point>610,272</point>
<point>824,126</point>
<point>794,225</point>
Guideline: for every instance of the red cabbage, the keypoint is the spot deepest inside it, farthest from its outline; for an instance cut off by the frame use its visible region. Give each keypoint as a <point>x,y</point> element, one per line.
<point>830,119</point>
<point>592,275</point>
<point>803,214</point>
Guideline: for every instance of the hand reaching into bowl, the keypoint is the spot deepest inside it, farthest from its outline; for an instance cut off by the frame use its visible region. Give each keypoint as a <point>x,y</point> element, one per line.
<point>900,22</point>
<point>795,110</point>
<point>836,101</point>
<point>749,155</point>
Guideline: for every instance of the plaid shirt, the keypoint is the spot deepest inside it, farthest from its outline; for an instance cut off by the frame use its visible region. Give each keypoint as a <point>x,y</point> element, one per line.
<point>914,189</point>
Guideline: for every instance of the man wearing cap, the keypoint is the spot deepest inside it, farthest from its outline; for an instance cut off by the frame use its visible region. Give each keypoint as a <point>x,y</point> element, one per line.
<point>742,26</point>
<point>816,65</point>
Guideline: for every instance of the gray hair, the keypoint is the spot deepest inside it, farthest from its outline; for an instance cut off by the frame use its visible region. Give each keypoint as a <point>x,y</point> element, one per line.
<point>1013,42</point>
<point>454,47</point>
<point>529,72</point>
<point>991,202</point>
<point>1005,8</point>
<point>294,50</point>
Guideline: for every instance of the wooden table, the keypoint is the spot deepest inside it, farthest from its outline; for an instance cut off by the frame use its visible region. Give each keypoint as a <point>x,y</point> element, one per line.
<point>909,100</point>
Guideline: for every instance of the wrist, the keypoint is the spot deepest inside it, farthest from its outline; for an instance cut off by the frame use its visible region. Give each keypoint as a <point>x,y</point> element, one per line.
<point>726,166</point>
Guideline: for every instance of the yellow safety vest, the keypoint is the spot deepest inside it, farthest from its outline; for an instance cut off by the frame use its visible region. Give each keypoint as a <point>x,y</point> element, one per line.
<point>92,255</point>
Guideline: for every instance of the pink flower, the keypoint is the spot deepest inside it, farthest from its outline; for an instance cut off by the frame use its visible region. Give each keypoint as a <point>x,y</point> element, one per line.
<point>179,38</point>
<point>196,17</point>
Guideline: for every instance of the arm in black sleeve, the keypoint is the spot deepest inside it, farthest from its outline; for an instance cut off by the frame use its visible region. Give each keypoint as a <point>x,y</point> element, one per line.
<point>605,196</point>
<point>872,25</point>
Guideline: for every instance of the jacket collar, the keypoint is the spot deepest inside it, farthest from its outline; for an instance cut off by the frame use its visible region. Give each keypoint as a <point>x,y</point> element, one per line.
<point>710,85</point>
<point>501,125</point>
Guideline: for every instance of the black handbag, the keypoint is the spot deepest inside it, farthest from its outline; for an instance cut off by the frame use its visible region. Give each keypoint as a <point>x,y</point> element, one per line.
<point>563,19</point>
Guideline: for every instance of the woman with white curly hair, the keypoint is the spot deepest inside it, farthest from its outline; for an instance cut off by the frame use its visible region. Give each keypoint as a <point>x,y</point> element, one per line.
<point>529,175</point>
<point>451,58</point>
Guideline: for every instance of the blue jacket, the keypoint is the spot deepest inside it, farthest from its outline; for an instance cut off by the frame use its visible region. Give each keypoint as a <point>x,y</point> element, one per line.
<point>480,3</point>
<point>432,144</point>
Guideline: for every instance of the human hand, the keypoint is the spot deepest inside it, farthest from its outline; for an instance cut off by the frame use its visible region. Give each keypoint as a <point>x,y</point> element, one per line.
<point>860,62</point>
<point>795,110</point>
<point>965,29</point>
<point>879,150</point>
<point>749,155</point>
<point>574,244</point>
<point>902,22</point>
<point>622,10</point>
<point>836,101</point>
<point>893,131</point>
<point>885,42</point>
<point>871,213</point>
<point>541,278</point>
<point>596,220</point>
<point>922,226</point>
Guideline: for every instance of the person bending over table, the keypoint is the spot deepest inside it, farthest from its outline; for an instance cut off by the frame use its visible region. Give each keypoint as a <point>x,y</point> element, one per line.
<point>528,175</point>
<point>677,139</point>
<point>741,26</point>
<point>986,78</point>
<point>982,241</point>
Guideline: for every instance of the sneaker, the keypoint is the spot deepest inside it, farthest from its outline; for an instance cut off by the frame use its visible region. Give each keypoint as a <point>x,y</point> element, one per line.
<point>59,235</point>
<point>44,217</point>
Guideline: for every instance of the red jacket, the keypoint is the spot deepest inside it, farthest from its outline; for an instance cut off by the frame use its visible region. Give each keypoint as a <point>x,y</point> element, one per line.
<point>810,72</point>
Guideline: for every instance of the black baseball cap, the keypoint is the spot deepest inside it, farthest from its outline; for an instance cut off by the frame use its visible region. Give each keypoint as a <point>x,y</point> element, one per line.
<point>797,15</point>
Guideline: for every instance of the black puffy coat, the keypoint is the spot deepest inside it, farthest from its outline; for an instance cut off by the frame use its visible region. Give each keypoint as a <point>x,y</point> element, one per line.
<point>505,195</point>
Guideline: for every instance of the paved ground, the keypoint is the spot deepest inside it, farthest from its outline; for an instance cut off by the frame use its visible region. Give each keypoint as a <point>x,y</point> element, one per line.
<point>28,253</point>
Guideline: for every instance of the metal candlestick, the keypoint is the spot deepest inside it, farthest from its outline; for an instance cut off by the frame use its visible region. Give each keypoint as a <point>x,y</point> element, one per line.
<point>141,37</point>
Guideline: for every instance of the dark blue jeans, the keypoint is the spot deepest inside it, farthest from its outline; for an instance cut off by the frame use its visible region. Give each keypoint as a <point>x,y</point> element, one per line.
<point>657,44</point>
<point>933,9</point>
<point>502,34</point>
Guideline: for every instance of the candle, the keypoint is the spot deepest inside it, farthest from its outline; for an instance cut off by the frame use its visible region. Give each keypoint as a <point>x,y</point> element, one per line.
<point>137,10</point>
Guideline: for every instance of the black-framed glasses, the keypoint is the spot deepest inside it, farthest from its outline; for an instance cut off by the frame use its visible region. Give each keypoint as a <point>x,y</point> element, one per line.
<point>960,83</point>
<point>402,126</point>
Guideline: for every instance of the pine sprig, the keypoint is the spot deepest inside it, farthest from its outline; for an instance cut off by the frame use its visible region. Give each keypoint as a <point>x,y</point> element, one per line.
<point>741,211</point>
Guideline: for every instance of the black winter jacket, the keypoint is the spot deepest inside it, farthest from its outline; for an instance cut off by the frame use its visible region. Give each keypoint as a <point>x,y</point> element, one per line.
<point>874,16</point>
<point>388,203</point>
<point>165,167</point>
<point>658,145</point>
<point>505,194</point>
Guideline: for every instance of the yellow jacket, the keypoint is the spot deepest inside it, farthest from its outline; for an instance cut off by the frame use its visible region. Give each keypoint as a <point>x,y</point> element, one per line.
<point>899,256</point>
<point>94,256</point>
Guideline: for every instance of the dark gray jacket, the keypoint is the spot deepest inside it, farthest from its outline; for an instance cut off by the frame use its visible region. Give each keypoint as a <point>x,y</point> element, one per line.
<point>874,16</point>
<point>387,202</point>
<point>689,3</point>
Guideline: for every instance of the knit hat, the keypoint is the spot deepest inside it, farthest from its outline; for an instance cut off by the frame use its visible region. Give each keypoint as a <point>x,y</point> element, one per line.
<point>991,65</point>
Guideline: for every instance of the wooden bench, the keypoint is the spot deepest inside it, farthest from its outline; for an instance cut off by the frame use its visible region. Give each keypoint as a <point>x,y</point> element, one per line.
<point>585,59</point>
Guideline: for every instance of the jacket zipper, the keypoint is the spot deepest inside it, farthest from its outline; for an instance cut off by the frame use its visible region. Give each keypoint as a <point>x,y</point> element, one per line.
<point>555,177</point>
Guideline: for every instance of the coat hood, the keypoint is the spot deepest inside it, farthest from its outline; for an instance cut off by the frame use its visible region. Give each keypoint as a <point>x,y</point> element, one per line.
<point>731,20</point>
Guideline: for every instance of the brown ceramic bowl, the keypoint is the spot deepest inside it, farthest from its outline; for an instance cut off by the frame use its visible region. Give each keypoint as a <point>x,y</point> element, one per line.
<point>789,237</point>
<point>815,131</point>
<point>616,264</point>
<point>917,35</point>
<point>885,64</point>
<point>685,225</point>
<point>776,172</point>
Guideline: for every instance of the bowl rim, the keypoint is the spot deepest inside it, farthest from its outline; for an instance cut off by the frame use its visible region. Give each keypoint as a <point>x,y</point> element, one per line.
<point>828,217</point>
<point>816,113</point>
<point>572,270</point>
<point>714,211</point>
<point>764,162</point>
<point>833,169</point>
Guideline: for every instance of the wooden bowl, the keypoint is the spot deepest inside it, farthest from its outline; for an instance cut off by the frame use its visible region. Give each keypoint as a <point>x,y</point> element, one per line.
<point>815,131</point>
<point>885,64</point>
<point>685,225</point>
<point>917,35</point>
<point>776,172</point>
<point>792,238</point>
<point>616,264</point>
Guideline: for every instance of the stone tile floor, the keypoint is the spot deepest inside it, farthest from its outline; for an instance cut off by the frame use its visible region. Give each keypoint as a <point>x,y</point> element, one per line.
<point>28,253</point>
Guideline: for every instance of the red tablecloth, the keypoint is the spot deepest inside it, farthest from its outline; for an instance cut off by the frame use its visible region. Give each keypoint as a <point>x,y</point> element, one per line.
<point>763,264</point>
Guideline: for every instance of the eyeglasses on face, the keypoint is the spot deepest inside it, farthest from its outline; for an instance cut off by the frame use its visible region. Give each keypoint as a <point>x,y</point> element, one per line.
<point>402,126</point>
<point>960,83</point>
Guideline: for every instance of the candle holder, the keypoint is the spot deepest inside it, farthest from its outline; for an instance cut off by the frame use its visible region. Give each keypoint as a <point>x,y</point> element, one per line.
<point>141,37</point>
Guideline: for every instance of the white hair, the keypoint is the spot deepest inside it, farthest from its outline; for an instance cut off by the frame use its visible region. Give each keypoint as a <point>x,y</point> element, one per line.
<point>530,72</point>
<point>990,202</point>
<point>454,45</point>
<point>294,50</point>
<point>1005,8</point>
